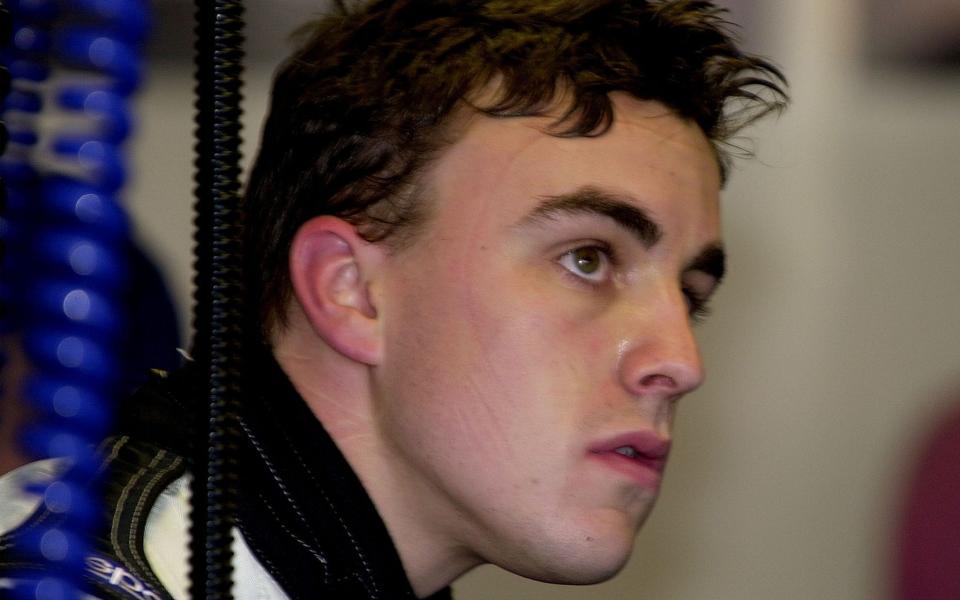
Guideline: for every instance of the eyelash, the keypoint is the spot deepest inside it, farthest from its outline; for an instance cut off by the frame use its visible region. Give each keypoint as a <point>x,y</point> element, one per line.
<point>698,305</point>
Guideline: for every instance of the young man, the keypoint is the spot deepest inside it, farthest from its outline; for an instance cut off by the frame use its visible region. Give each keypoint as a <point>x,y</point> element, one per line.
<point>479,232</point>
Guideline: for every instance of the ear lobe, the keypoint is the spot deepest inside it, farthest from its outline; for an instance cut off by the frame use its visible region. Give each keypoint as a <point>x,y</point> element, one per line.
<point>329,270</point>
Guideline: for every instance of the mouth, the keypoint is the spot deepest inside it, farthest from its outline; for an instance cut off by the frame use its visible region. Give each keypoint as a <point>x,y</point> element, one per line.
<point>641,456</point>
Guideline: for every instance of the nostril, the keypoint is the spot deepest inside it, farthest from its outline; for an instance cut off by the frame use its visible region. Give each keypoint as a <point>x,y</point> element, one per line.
<point>658,380</point>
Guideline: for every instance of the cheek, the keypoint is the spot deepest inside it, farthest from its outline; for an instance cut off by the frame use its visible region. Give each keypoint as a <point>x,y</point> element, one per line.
<point>535,373</point>
<point>492,355</point>
<point>479,362</point>
<point>437,370</point>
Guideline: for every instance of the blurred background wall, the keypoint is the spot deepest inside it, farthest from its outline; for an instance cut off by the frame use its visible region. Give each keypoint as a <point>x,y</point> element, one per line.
<point>833,342</point>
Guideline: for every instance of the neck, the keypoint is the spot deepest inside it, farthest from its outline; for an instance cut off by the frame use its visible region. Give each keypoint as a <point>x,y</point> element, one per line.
<point>340,394</point>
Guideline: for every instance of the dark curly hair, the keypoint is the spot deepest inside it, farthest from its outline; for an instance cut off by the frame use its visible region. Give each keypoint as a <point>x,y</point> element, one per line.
<point>364,104</point>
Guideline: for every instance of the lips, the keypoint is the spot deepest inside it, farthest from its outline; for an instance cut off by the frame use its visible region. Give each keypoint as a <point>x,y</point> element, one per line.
<point>640,455</point>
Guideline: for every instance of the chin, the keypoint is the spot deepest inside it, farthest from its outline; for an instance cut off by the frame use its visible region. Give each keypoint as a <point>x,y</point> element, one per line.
<point>578,559</point>
<point>581,570</point>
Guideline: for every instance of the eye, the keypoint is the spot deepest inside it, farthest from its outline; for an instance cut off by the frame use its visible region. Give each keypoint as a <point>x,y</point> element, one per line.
<point>696,304</point>
<point>591,263</point>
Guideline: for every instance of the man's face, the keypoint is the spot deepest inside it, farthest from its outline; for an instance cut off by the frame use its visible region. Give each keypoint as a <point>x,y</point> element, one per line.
<point>538,336</point>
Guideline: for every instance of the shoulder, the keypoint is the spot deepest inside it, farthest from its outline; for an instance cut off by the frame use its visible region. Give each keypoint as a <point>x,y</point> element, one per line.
<point>17,503</point>
<point>142,550</point>
<point>166,543</point>
<point>130,477</point>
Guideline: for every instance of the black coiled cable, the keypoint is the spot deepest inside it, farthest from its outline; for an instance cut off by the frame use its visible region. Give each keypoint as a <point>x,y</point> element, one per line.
<point>218,297</point>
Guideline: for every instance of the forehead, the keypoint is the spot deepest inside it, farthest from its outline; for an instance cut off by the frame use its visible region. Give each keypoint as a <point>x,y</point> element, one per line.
<point>498,169</point>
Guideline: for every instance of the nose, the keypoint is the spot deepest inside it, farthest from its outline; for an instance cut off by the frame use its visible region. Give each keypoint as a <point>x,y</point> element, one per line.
<point>661,357</point>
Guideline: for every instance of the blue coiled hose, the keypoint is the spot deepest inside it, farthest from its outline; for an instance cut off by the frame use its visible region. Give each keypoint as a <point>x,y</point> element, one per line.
<point>66,272</point>
<point>6,324</point>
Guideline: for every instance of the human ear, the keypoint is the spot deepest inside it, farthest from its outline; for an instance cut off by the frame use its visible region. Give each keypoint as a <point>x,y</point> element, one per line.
<point>330,270</point>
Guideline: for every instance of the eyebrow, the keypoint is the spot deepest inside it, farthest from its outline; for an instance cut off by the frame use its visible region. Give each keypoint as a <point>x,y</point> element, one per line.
<point>592,201</point>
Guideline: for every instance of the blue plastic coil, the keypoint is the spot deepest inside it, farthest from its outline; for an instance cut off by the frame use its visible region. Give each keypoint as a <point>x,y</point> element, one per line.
<point>64,230</point>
